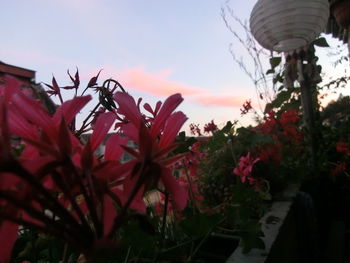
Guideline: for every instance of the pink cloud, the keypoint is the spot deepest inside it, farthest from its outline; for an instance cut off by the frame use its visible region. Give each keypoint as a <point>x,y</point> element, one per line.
<point>157,83</point>
<point>220,100</point>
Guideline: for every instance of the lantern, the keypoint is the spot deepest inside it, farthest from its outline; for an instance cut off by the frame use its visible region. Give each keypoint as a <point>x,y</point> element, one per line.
<point>286,25</point>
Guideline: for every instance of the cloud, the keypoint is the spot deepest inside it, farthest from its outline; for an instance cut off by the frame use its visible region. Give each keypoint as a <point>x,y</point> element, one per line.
<point>157,83</point>
<point>223,100</point>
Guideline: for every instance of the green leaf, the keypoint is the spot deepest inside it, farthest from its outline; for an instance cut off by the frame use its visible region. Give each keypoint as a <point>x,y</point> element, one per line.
<point>200,224</point>
<point>280,88</point>
<point>321,42</point>
<point>274,62</point>
<point>270,71</point>
<point>56,250</point>
<point>184,143</point>
<point>268,107</point>
<point>281,98</point>
<point>139,240</point>
<point>44,255</point>
<point>17,151</point>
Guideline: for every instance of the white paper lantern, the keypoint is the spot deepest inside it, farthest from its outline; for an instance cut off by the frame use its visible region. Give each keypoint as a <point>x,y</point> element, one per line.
<point>286,25</point>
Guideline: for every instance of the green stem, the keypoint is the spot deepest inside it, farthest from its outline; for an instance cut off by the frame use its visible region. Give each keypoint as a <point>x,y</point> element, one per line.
<point>65,253</point>
<point>142,175</point>
<point>166,202</point>
<point>203,240</point>
<point>191,190</point>
<point>127,255</point>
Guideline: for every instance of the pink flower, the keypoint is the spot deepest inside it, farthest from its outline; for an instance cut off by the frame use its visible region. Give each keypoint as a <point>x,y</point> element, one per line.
<point>53,160</point>
<point>245,167</point>
<point>155,139</point>
<point>56,161</point>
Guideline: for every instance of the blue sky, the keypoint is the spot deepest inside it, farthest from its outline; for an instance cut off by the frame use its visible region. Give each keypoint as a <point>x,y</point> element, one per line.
<point>154,47</point>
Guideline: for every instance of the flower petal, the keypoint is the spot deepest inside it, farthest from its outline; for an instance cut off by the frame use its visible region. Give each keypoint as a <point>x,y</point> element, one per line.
<point>101,128</point>
<point>128,108</point>
<point>171,129</point>
<point>19,125</point>
<point>32,111</point>
<point>178,194</point>
<point>8,232</point>
<point>113,149</point>
<point>109,214</point>
<point>11,87</point>
<point>167,108</point>
<point>69,109</point>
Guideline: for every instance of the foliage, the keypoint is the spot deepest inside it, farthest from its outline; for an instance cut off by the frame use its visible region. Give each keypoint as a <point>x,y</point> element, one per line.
<point>75,204</point>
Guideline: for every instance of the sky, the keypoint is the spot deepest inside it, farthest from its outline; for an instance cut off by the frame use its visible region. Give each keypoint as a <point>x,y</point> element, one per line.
<point>154,48</point>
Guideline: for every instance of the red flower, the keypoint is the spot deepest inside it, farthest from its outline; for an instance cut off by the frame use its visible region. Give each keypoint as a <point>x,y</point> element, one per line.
<point>341,167</point>
<point>289,117</point>
<point>270,154</point>
<point>210,127</point>
<point>195,130</point>
<point>342,147</point>
<point>269,124</point>
<point>247,106</point>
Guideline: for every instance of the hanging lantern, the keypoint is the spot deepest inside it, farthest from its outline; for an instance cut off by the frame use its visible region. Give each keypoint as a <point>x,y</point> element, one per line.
<point>286,25</point>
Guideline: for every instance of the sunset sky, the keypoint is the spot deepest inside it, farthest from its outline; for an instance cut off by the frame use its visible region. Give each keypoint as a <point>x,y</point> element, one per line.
<point>153,47</point>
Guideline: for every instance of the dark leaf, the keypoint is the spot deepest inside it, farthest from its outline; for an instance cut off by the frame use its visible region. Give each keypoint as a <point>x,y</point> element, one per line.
<point>93,80</point>
<point>270,71</point>
<point>44,255</point>
<point>274,62</point>
<point>106,100</point>
<point>54,84</point>
<point>75,80</point>
<point>268,107</point>
<point>281,98</point>
<point>321,42</point>
<point>54,87</point>
<point>68,87</point>
<point>200,224</point>
<point>141,241</point>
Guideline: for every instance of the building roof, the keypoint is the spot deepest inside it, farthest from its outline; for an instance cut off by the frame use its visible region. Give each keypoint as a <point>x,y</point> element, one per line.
<point>17,71</point>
